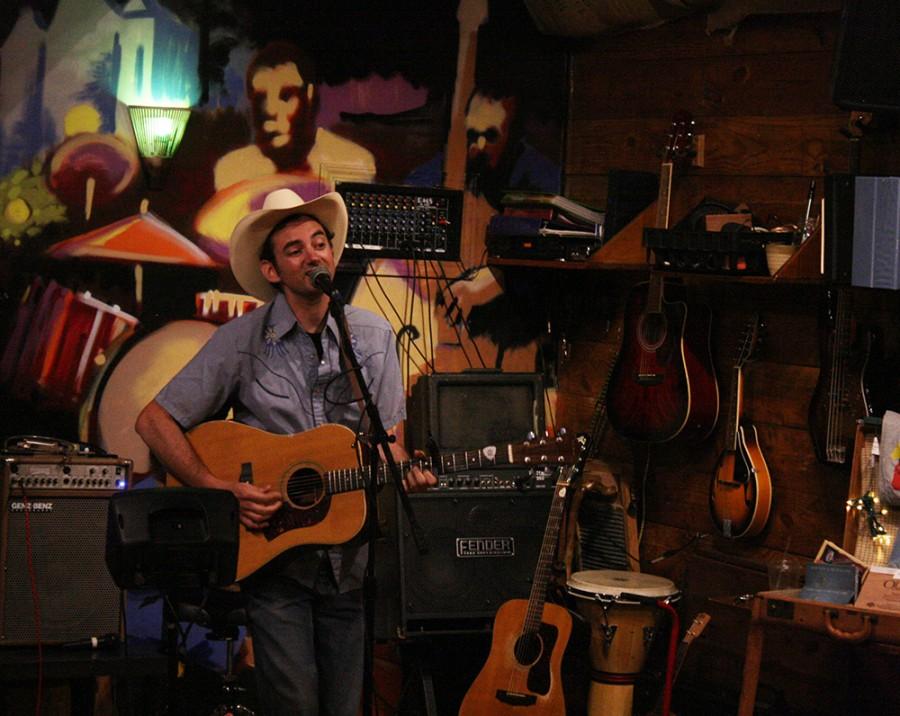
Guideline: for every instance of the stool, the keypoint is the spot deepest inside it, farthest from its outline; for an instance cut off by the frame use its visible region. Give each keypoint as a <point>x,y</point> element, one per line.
<point>221,611</point>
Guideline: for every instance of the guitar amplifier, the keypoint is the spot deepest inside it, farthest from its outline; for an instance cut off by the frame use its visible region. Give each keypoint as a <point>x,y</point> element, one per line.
<point>718,252</point>
<point>544,248</point>
<point>54,584</point>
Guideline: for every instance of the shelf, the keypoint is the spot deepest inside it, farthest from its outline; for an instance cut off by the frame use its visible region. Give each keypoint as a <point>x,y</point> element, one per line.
<point>625,251</point>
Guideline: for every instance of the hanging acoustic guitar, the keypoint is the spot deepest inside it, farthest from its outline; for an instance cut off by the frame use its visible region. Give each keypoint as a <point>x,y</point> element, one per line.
<point>663,383</point>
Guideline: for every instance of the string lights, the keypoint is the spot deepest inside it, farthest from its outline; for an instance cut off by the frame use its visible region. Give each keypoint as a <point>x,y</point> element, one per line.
<point>871,505</point>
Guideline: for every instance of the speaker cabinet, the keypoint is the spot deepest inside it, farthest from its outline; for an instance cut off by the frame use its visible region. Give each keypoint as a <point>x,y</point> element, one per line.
<point>53,531</point>
<point>876,251</point>
<point>839,191</point>
<point>483,548</point>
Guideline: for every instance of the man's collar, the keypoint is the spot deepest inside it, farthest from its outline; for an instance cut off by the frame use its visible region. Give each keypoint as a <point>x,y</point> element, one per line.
<point>282,318</point>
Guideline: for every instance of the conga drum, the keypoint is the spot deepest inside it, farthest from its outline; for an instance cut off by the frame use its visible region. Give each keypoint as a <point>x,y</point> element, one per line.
<point>621,609</point>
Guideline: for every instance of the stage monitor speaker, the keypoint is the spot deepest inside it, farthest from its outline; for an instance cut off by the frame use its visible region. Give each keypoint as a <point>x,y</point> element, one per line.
<point>54,585</point>
<point>483,547</point>
<point>173,538</point>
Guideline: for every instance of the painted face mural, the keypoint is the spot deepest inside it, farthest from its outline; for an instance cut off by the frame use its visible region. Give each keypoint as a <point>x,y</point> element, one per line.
<point>283,107</point>
<point>488,131</point>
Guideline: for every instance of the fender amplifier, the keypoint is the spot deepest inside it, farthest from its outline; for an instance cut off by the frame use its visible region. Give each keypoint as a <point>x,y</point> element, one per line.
<point>54,584</point>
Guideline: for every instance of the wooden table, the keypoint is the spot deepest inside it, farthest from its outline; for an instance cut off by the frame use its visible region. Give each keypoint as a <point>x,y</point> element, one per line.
<point>784,609</point>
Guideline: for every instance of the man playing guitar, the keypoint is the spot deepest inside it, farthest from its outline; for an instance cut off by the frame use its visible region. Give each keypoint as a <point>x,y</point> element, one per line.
<point>280,369</point>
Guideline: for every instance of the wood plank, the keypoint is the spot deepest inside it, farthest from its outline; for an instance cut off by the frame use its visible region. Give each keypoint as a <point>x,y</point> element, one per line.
<point>773,200</point>
<point>796,83</point>
<point>688,37</point>
<point>807,145</point>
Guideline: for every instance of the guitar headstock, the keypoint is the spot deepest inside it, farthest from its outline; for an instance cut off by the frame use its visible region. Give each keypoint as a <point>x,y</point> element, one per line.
<point>562,449</point>
<point>696,628</point>
<point>749,341</point>
<point>680,140</point>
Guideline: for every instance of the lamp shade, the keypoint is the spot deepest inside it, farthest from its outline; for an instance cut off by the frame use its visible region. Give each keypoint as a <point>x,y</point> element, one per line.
<point>158,130</point>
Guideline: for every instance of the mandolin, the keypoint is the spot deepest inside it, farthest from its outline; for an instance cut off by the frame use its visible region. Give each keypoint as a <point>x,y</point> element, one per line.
<point>843,392</point>
<point>740,496</point>
<point>663,382</point>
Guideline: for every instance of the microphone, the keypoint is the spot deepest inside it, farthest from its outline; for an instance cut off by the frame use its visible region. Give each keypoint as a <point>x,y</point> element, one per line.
<point>95,642</point>
<point>321,279</point>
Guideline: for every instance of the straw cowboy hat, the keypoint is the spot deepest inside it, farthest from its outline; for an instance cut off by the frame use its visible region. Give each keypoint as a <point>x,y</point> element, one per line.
<point>250,233</point>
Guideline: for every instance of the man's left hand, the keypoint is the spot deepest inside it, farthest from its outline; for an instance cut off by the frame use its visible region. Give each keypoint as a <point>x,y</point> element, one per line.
<point>417,479</point>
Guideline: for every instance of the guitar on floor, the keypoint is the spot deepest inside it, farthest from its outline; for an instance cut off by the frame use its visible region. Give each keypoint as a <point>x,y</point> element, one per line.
<point>522,672</point>
<point>740,496</point>
<point>320,475</point>
<point>843,392</point>
<point>663,383</point>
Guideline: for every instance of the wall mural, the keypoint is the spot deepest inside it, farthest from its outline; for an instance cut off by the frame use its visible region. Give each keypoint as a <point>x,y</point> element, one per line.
<point>113,276</point>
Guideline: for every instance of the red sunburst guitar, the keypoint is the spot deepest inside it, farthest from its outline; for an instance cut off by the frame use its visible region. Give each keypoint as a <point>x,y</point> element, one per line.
<point>740,496</point>
<point>522,672</point>
<point>320,476</point>
<point>663,383</point>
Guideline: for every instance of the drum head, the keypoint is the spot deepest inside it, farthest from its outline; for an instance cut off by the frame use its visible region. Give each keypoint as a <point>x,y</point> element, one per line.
<point>611,583</point>
<point>135,380</point>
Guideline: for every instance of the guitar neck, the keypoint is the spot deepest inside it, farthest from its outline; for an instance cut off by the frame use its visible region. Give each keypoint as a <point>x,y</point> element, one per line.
<point>347,480</point>
<point>664,197</point>
<point>538,594</point>
<point>734,408</point>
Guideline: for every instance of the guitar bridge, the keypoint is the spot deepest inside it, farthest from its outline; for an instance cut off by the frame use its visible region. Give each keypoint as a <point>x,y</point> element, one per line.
<point>515,698</point>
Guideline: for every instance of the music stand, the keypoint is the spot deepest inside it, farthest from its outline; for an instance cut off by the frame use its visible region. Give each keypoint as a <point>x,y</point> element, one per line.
<point>172,539</point>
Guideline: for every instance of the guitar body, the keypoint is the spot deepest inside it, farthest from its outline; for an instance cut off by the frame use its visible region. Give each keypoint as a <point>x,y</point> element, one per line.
<point>308,515</point>
<point>648,391</point>
<point>703,388</point>
<point>740,497</point>
<point>510,685</point>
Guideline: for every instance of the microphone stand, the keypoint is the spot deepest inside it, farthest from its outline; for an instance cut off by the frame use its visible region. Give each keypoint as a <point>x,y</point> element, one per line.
<point>379,438</point>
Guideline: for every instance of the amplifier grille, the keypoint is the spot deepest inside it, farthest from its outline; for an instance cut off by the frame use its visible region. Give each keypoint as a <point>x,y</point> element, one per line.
<point>76,595</point>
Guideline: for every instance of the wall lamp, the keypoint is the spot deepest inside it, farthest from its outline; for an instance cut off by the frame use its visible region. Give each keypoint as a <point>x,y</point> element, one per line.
<point>158,131</point>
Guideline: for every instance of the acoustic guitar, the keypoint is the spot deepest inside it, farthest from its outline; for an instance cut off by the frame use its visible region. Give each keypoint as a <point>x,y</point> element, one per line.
<point>320,477</point>
<point>522,674</point>
<point>740,495</point>
<point>663,383</point>
<point>843,392</point>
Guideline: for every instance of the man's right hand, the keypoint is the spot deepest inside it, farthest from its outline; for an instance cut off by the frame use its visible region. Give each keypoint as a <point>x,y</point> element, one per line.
<point>257,504</point>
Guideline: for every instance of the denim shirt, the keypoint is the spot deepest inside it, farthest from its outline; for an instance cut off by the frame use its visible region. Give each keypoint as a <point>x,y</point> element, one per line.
<point>266,368</point>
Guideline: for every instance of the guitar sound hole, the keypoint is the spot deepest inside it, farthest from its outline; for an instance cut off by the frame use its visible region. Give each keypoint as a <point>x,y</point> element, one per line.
<point>305,488</point>
<point>652,331</point>
<point>528,648</point>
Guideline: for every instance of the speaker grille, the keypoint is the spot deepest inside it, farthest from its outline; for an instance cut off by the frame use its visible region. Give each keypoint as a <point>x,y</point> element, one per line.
<point>443,590</point>
<point>76,595</point>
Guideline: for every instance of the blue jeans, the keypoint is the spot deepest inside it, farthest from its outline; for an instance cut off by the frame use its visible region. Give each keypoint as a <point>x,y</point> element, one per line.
<point>308,647</point>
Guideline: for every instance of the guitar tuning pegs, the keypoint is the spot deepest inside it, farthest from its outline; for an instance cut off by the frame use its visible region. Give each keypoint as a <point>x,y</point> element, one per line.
<point>531,436</point>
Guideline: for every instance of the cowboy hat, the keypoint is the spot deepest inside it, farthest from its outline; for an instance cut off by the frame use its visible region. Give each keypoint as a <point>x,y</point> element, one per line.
<point>250,233</point>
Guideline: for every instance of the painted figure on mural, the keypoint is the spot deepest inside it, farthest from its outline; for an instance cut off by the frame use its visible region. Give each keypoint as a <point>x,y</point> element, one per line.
<point>289,150</point>
<point>498,155</point>
<point>284,103</point>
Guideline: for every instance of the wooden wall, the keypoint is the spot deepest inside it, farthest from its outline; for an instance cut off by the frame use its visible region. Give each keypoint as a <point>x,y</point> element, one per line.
<point>761,100</point>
